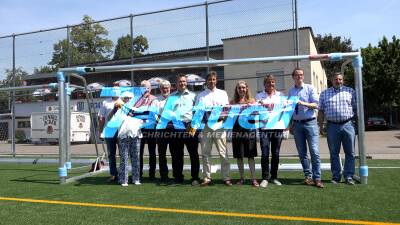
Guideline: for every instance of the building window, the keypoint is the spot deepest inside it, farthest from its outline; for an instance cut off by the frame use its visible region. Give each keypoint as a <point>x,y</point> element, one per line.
<point>24,124</point>
<point>279,77</point>
<point>321,85</point>
<point>314,82</point>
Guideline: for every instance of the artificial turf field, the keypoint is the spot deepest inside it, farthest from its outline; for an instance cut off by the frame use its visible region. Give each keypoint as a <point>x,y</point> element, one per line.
<point>93,201</point>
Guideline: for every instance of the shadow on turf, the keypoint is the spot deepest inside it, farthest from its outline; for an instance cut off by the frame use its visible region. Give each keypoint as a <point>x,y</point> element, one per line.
<point>104,181</point>
<point>145,180</point>
<point>291,181</point>
<point>31,179</point>
<point>31,170</point>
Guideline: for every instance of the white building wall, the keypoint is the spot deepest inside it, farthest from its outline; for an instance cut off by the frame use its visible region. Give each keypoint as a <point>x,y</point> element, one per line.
<point>273,44</point>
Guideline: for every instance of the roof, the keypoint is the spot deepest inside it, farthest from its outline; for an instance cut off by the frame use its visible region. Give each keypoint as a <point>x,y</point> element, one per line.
<point>272,32</point>
<point>160,56</point>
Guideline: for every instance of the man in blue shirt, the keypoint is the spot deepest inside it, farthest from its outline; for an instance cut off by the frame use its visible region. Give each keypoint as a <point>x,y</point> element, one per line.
<point>305,128</point>
<point>338,105</point>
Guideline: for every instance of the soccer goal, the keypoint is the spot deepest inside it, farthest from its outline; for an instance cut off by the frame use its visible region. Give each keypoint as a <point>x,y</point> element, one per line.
<point>355,57</point>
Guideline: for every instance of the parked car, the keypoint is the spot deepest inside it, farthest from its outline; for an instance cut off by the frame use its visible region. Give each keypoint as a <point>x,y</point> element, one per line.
<point>376,123</point>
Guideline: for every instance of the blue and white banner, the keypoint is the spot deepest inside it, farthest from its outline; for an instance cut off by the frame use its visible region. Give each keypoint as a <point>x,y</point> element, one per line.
<point>251,116</point>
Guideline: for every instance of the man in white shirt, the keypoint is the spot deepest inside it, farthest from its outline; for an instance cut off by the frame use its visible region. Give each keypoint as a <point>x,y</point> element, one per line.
<point>163,140</point>
<point>106,107</point>
<point>209,98</point>
<point>148,134</point>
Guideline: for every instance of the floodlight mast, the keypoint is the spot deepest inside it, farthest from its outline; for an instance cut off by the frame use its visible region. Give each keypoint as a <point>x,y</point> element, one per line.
<point>355,56</point>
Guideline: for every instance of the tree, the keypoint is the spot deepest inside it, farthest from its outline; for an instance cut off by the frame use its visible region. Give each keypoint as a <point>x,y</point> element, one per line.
<point>87,44</point>
<point>45,69</point>
<point>8,82</point>
<point>381,74</point>
<point>123,47</point>
<point>19,77</point>
<point>329,44</point>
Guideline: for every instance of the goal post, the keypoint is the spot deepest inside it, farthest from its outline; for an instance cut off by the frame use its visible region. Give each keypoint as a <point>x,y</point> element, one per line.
<point>338,56</point>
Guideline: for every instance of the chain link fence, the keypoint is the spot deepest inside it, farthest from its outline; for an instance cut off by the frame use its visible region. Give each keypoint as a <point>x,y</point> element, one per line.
<point>198,31</point>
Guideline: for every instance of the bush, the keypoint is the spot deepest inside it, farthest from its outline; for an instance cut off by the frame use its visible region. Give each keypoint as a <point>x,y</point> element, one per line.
<point>20,136</point>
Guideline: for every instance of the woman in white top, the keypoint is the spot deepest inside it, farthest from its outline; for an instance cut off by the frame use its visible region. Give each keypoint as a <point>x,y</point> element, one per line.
<point>269,139</point>
<point>129,135</point>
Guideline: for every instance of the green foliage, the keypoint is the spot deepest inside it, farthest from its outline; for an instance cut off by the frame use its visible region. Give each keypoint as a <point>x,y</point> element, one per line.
<point>8,82</point>
<point>20,136</point>
<point>381,73</point>
<point>4,102</point>
<point>19,75</point>
<point>45,69</point>
<point>123,47</point>
<point>329,44</point>
<point>88,44</point>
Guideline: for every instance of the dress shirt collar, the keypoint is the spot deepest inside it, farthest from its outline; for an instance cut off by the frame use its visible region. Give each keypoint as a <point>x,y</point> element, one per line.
<point>186,91</point>
<point>300,86</point>
<point>212,90</point>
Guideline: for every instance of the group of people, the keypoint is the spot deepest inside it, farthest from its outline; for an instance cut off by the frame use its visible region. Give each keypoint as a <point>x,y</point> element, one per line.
<point>336,104</point>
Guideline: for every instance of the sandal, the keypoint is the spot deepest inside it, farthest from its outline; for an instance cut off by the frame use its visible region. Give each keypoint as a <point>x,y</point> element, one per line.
<point>254,183</point>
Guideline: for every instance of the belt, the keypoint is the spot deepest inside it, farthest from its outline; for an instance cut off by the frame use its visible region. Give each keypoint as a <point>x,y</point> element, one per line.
<point>304,121</point>
<point>341,122</point>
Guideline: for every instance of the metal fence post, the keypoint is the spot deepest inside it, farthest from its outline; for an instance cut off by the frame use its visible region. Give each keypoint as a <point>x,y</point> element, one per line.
<point>13,102</point>
<point>132,48</point>
<point>207,36</point>
<point>297,31</point>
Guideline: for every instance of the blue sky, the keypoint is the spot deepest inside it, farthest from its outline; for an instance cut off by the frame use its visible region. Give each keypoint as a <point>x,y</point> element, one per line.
<point>364,21</point>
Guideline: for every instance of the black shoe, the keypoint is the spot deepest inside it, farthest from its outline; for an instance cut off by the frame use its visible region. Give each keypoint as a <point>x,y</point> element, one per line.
<point>113,179</point>
<point>165,181</point>
<point>350,181</point>
<point>177,183</point>
<point>335,181</point>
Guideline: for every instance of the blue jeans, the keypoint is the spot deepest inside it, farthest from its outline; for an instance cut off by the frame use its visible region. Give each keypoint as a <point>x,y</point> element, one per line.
<point>269,138</point>
<point>112,149</point>
<point>341,134</point>
<point>308,133</point>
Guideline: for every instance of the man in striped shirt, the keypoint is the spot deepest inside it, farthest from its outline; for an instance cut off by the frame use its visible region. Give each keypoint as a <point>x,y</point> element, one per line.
<point>338,105</point>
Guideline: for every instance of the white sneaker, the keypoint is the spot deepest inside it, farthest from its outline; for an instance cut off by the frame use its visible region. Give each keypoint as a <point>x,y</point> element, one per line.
<point>195,183</point>
<point>124,185</point>
<point>276,182</point>
<point>264,183</point>
<point>137,183</point>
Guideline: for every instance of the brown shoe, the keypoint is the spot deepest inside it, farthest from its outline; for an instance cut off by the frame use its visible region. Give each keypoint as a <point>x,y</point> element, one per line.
<point>205,183</point>
<point>308,181</point>
<point>228,183</point>
<point>319,184</point>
